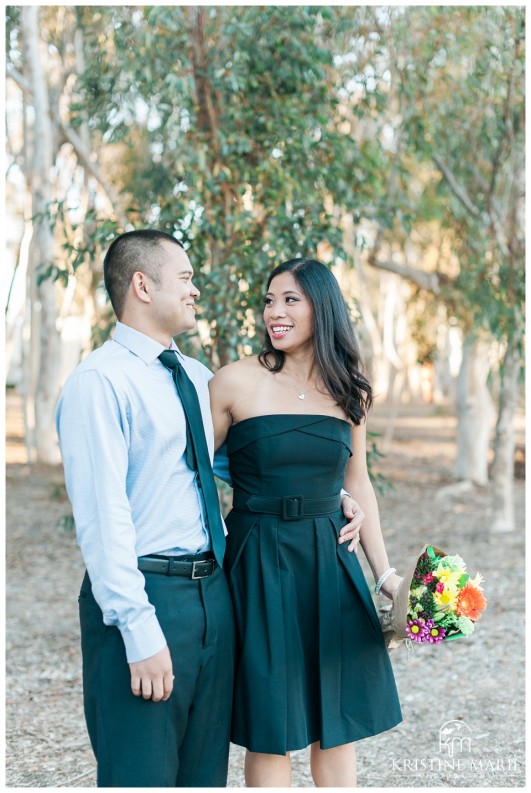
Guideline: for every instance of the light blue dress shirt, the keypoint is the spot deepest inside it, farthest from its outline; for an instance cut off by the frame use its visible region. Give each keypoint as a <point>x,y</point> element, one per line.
<point>122,434</point>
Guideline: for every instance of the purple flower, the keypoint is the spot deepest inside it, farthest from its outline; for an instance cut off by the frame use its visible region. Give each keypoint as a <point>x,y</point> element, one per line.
<point>417,630</point>
<point>434,633</point>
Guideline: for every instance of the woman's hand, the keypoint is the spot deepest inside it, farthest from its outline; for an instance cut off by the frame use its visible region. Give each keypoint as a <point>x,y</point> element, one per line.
<point>390,586</point>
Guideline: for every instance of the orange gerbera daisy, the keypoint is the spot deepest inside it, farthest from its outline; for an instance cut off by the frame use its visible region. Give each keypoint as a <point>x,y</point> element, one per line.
<point>470,602</point>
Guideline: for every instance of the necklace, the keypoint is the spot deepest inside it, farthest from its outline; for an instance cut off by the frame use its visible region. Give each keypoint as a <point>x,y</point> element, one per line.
<point>300,394</point>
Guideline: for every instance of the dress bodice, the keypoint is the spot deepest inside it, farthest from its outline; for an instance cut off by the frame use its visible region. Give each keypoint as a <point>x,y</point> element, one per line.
<point>283,454</point>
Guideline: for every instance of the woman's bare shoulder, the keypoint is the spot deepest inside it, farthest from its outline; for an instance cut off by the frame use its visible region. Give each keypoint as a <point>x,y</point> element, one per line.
<point>237,368</point>
<point>238,371</point>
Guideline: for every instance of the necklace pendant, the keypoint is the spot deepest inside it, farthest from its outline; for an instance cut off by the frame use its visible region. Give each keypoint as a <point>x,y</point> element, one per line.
<point>301,396</point>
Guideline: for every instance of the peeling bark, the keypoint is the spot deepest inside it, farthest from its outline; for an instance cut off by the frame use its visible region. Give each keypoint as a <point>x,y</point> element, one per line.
<point>504,445</point>
<point>42,247</point>
<point>475,412</point>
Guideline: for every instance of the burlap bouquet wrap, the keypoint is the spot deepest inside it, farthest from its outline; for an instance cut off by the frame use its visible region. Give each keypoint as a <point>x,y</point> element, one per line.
<point>393,618</point>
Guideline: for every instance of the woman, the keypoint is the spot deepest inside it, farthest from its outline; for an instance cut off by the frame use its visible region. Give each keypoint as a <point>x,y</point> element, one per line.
<point>312,665</point>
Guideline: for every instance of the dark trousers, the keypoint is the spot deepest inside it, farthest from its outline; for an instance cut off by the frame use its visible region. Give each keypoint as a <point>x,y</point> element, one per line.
<point>183,742</point>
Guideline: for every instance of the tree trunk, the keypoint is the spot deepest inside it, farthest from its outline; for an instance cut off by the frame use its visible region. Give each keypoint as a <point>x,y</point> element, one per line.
<point>474,414</point>
<point>503,467</point>
<point>443,383</point>
<point>42,243</point>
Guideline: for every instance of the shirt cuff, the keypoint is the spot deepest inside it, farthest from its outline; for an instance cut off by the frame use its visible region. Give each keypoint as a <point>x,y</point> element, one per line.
<point>221,465</point>
<point>143,641</point>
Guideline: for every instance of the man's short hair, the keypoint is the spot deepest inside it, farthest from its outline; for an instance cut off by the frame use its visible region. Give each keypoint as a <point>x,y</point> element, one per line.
<point>134,251</point>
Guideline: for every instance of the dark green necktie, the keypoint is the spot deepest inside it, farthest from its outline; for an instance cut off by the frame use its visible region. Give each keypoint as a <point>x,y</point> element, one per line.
<point>197,456</point>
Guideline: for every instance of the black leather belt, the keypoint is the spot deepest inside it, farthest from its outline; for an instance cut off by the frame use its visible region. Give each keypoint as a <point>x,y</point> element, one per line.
<point>200,566</point>
<point>289,507</point>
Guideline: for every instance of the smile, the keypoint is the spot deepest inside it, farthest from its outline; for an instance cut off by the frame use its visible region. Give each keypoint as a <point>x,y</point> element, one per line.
<point>277,331</point>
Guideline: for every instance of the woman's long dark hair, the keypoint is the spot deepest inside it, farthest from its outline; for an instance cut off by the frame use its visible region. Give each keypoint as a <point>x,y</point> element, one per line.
<point>336,349</point>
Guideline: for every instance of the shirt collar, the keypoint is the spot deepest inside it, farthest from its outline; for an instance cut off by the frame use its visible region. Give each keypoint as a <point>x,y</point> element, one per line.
<point>139,344</point>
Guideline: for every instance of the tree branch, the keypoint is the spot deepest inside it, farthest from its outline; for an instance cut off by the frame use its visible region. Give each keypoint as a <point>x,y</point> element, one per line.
<point>82,153</point>
<point>431,282</point>
<point>207,114</point>
<point>455,187</point>
<point>91,167</point>
<point>206,111</point>
<point>19,79</point>
<point>488,217</point>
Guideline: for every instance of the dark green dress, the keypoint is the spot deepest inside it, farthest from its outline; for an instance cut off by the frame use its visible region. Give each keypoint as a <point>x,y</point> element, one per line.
<point>311,660</point>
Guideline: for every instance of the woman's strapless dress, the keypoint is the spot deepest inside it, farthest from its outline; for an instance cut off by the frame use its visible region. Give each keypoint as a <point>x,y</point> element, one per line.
<point>311,660</point>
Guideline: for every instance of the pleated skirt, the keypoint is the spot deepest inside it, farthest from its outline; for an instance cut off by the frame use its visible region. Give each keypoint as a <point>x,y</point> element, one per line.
<point>311,661</point>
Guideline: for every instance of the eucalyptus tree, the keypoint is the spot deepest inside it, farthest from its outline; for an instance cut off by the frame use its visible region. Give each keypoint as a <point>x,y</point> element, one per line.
<point>227,128</point>
<point>37,158</point>
<point>43,51</point>
<point>459,79</point>
<point>255,133</point>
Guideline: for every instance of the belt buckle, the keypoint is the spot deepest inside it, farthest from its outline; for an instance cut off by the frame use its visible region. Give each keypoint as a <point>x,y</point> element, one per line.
<point>195,577</point>
<point>287,503</point>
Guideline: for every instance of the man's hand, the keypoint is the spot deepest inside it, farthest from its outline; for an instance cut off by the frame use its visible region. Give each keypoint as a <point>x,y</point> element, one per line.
<point>153,677</point>
<point>351,532</point>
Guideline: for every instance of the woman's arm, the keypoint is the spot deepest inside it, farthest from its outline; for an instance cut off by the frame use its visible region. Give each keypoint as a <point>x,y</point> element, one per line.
<point>358,484</point>
<point>220,405</point>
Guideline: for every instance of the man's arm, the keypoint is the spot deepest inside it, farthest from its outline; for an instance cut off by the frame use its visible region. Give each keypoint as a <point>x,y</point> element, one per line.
<point>93,433</point>
<point>221,465</point>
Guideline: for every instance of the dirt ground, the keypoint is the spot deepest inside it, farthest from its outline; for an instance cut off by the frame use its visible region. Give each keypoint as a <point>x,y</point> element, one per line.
<point>478,681</point>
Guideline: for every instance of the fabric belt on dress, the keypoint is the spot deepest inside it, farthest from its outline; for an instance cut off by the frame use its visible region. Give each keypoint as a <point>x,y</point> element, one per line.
<point>199,566</point>
<point>289,507</point>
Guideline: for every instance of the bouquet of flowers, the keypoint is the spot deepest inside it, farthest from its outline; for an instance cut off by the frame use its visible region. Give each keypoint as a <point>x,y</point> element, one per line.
<point>437,601</point>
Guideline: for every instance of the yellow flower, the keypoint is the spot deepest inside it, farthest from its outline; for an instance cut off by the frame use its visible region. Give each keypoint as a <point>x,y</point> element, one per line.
<point>450,578</point>
<point>445,600</point>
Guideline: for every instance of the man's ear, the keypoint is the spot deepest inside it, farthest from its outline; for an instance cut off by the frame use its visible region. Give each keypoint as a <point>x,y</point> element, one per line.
<point>141,287</point>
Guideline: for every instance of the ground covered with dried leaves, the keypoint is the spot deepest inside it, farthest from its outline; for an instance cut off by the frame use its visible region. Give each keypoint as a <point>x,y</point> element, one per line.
<point>477,681</point>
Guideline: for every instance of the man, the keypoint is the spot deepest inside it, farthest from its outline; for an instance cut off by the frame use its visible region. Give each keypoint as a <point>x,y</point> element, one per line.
<point>156,619</point>
<point>123,438</point>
